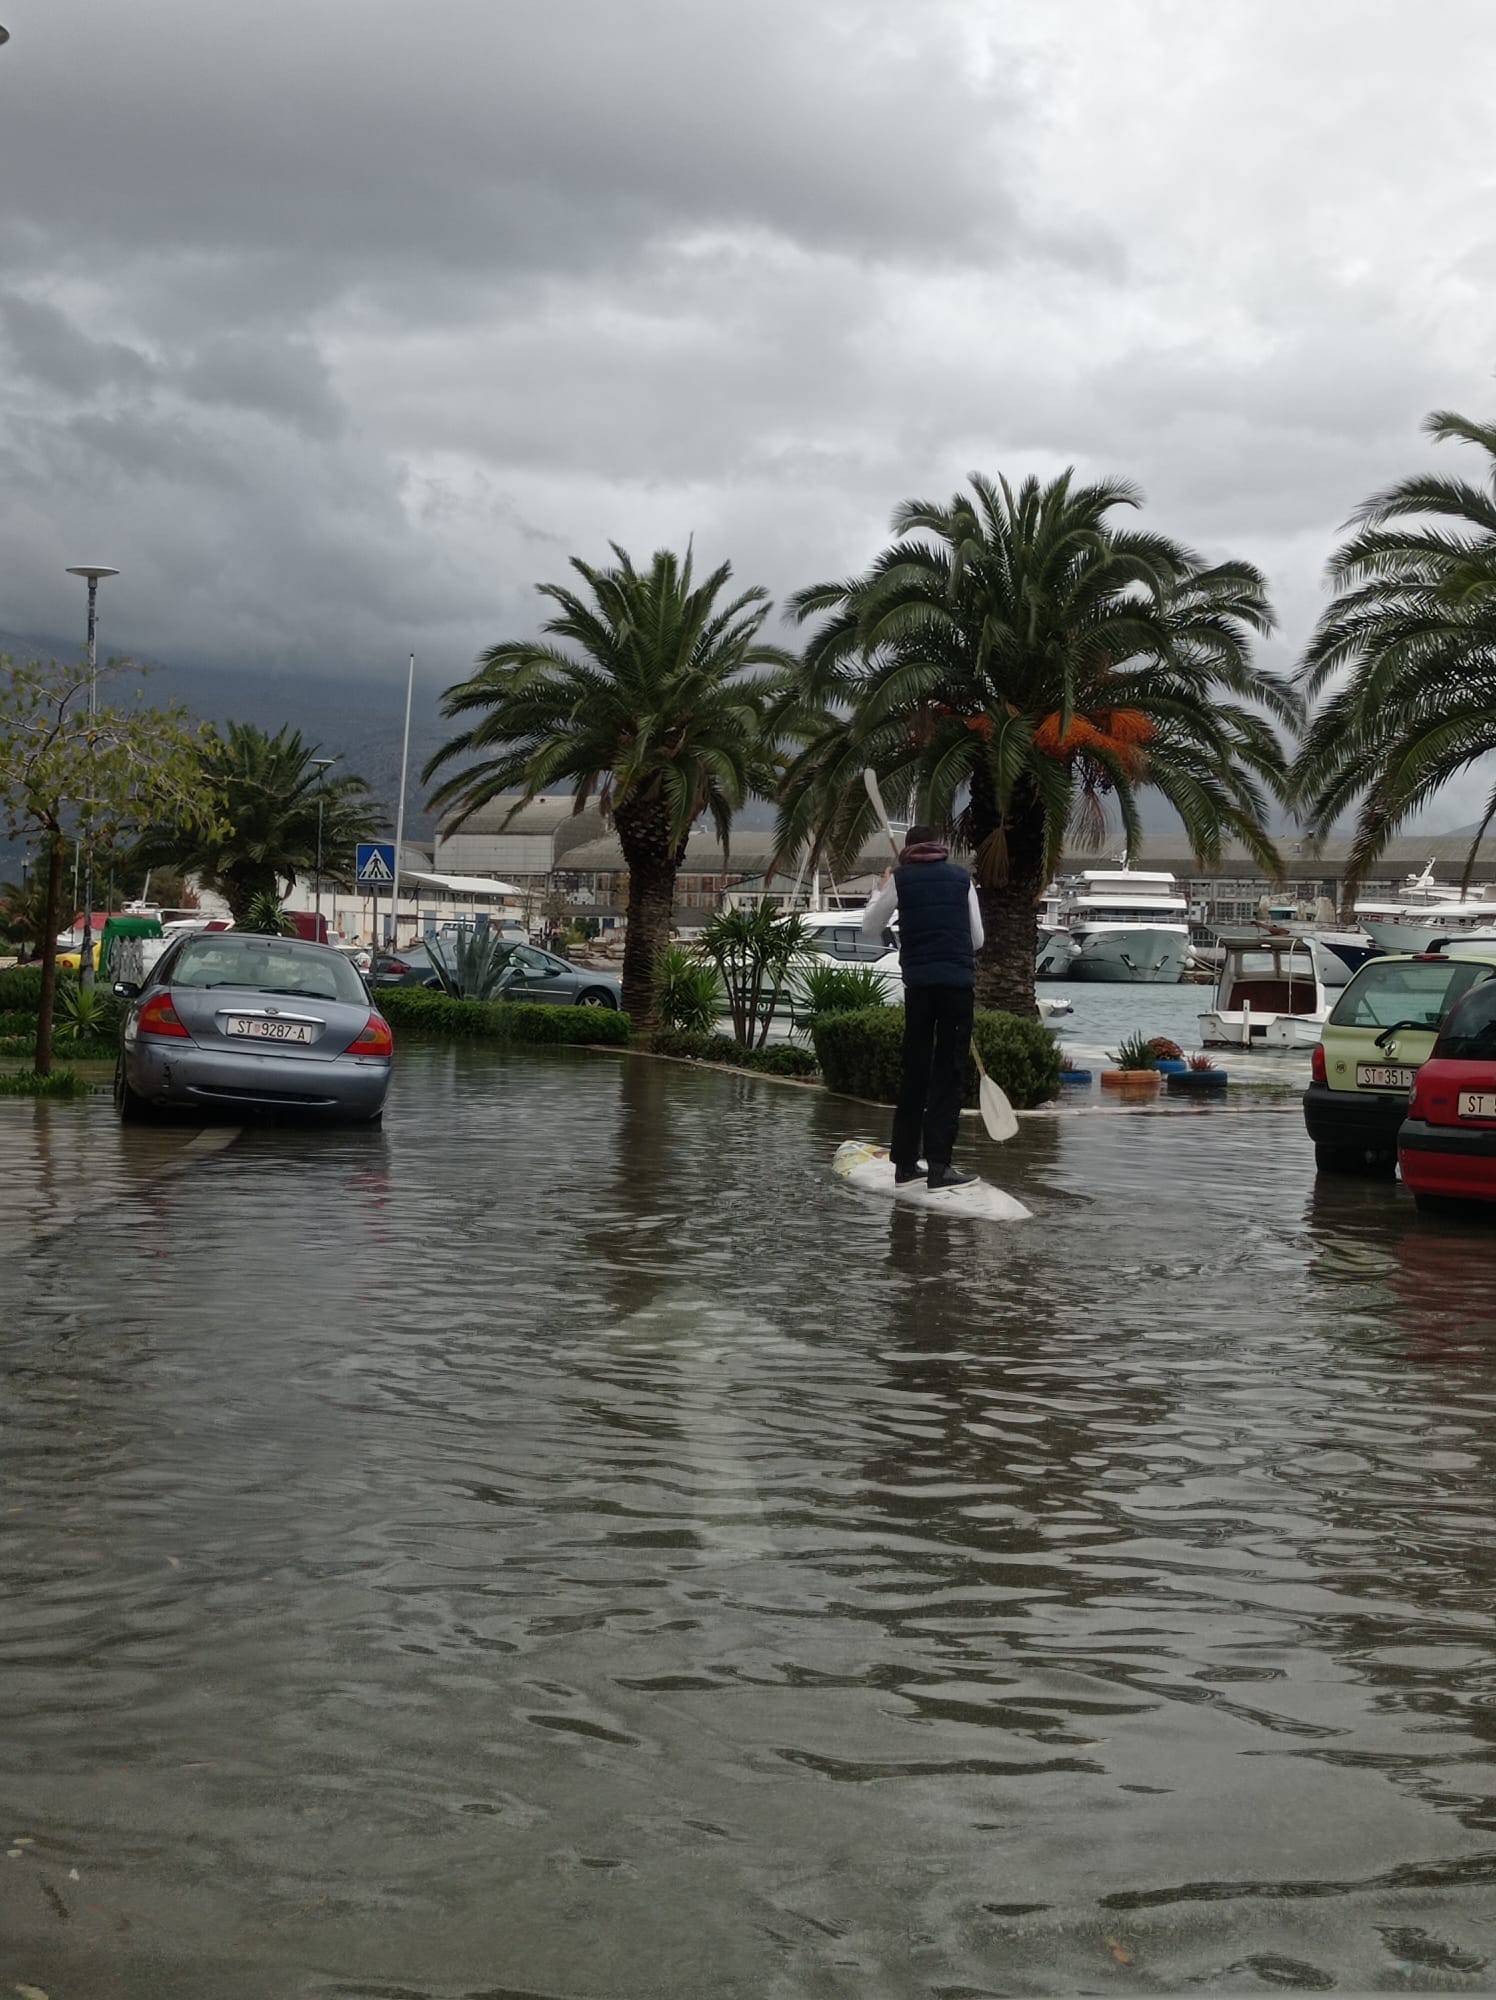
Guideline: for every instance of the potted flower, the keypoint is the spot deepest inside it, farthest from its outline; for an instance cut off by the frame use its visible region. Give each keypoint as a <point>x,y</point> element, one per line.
<point>1168,1056</point>
<point>1199,1077</point>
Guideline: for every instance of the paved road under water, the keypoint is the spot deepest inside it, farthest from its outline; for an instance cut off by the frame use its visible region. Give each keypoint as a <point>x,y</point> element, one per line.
<point>566,1545</point>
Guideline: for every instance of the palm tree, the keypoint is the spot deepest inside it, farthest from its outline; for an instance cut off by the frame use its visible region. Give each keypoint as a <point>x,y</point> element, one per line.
<point>23,912</point>
<point>268,793</point>
<point>1414,619</point>
<point>1011,663</point>
<point>640,695</point>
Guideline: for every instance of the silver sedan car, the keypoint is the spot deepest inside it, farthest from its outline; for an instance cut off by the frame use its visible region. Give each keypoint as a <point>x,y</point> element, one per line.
<point>243,1022</point>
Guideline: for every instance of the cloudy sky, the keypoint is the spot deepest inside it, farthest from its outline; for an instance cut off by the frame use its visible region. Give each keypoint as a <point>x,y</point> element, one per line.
<point>336,324</point>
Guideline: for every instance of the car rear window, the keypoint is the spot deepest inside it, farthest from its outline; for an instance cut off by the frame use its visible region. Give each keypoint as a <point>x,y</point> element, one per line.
<point>1406,992</point>
<point>266,965</point>
<point>1469,1031</point>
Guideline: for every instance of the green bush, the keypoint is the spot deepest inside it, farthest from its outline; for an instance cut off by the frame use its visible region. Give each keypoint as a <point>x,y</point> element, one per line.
<point>21,988</point>
<point>780,1059</point>
<point>26,1083</point>
<point>418,1008</point>
<point>860,1055</point>
<point>688,990</point>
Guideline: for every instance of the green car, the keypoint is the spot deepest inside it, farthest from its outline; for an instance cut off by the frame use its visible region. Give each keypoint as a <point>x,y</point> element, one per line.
<point>1380,1030</point>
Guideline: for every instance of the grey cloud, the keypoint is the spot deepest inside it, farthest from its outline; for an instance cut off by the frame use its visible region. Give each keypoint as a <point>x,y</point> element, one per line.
<point>45,345</point>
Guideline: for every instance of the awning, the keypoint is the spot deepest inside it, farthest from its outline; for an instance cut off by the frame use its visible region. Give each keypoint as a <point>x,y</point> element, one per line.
<point>464,885</point>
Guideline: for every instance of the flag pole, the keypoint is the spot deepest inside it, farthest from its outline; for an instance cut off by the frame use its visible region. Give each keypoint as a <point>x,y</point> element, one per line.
<point>410,688</point>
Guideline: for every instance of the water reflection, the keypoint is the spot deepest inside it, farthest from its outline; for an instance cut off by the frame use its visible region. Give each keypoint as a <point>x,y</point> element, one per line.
<point>569,1544</point>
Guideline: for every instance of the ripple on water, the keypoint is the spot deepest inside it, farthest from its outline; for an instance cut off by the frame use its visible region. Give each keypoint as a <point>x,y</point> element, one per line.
<point>566,1543</point>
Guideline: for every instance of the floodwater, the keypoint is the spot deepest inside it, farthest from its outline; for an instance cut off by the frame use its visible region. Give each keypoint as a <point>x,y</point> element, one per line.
<point>566,1545</point>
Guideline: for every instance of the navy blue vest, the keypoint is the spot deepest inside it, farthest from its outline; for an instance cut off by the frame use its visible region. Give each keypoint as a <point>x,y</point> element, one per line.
<point>934,924</point>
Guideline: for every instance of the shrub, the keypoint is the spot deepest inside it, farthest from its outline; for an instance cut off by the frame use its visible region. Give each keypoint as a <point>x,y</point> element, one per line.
<point>59,1083</point>
<point>838,989</point>
<point>1163,1050</point>
<point>91,1013</point>
<point>1136,1052</point>
<point>688,990</point>
<point>265,917</point>
<point>471,965</point>
<point>861,1055</point>
<point>418,1008</point>
<point>782,1059</point>
<point>21,988</point>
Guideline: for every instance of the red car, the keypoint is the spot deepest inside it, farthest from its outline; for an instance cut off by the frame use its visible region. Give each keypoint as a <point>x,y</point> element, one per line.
<point>1447,1145</point>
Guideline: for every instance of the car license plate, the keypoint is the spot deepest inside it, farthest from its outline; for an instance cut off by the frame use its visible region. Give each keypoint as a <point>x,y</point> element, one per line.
<point>1384,1076</point>
<point>1477,1104</point>
<point>257,1029</point>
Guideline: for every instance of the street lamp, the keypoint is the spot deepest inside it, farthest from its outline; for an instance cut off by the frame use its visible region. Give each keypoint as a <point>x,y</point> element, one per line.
<point>91,572</point>
<point>321,765</point>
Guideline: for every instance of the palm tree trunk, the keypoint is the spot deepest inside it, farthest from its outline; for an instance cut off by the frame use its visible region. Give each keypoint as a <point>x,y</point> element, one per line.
<point>654,860</point>
<point>47,1005</point>
<point>1010,908</point>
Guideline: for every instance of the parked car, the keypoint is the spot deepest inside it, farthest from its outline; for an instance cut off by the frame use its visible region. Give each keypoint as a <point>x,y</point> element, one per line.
<point>1380,1030</point>
<point>409,965</point>
<point>540,975</point>
<point>246,1022</point>
<point>1447,1145</point>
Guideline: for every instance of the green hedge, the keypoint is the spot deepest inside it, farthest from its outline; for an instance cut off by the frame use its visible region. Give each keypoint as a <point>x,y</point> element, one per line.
<point>21,988</point>
<point>859,1055</point>
<point>60,1083</point>
<point>779,1059</point>
<point>425,1012</point>
<point>81,1048</point>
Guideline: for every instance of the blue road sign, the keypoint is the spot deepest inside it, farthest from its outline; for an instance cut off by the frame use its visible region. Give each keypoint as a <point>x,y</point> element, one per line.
<point>375,864</point>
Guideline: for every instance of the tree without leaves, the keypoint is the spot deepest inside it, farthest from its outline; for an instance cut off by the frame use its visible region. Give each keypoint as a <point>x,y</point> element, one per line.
<point>62,768</point>
<point>641,696</point>
<point>266,833</point>
<point>1414,621</point>
<point>1011,663</point>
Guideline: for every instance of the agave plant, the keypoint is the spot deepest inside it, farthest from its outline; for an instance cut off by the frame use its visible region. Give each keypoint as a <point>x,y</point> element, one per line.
<point>688,990</point>
<point>89,1013</point>
<point>471,965</point>
<point>839,989</point>
<point>753,950</point>
<point>1136,1052</point>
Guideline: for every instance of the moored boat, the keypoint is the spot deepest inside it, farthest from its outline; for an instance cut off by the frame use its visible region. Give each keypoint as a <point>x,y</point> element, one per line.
<point>1270,994</point>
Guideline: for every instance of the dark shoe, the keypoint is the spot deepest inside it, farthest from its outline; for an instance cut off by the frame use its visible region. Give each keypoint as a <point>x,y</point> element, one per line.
<point>944,1177</point>
<point>903,1175</point>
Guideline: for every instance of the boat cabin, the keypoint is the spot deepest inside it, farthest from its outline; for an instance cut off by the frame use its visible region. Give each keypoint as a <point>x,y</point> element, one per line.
<point>1269,993</point>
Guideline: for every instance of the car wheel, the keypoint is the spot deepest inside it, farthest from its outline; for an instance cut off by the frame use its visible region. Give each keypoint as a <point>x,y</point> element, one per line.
<point>1337,1159</point>
<point>596,996</point>
<point>132,1108</point>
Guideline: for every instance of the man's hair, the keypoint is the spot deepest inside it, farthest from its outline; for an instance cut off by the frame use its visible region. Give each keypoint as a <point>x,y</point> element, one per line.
<point>917,836</point>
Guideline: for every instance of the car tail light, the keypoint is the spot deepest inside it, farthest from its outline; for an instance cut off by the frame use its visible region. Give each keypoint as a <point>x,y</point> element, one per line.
<point>159,1017</point>
<point>1415,1102</point>
<point>1317,1063</point>
<point>374,1038</point>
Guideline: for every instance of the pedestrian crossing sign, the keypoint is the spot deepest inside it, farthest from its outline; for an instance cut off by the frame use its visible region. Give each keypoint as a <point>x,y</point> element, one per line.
<point>375,864</point>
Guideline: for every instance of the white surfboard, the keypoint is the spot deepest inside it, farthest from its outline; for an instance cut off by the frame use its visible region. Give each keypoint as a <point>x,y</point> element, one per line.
<point>868,1168</point>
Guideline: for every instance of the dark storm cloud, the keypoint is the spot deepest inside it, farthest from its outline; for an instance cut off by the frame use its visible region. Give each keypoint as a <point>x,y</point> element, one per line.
<point>337,326</point>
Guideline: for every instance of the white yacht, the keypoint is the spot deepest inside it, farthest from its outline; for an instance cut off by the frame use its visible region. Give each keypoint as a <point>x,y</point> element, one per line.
<point>1126,925</point>
<point>1424,912</point>
<point>1056,947</point>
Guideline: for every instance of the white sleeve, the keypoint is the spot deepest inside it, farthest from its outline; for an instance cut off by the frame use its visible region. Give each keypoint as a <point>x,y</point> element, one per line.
<point>974,913</point>
<point>880,908</point>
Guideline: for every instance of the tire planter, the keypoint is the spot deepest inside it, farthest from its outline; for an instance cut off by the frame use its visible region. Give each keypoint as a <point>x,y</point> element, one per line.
<point>1197,1083</point>
<point>1171,1066</point>
<point>1075,1076</point>
<point>1130,1079</point>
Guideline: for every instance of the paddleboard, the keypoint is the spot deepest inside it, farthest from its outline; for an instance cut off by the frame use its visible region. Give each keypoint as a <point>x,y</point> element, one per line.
<point>868,1168</point>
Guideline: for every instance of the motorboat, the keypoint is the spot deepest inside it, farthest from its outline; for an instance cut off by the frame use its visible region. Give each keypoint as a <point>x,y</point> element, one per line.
<point>1270,994</point>
<point>1126,924</point>
<point>1424,913</point>
<point>1053,1005</point>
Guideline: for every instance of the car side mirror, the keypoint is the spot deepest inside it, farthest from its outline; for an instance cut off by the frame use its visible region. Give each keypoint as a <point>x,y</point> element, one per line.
<point>125,989</point>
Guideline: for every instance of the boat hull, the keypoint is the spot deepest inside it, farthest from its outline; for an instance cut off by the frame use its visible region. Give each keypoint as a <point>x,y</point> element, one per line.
<point>1261,1031</point>
<point>1055,954</point>
<point>1137,956</point>
<point>1416,933</point>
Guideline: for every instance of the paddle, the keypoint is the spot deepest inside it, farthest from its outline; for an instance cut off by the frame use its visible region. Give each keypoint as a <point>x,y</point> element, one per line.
<point>997,1114</point>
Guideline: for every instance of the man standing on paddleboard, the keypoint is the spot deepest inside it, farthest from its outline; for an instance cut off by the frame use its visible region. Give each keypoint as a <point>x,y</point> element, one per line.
<point>940,933</point>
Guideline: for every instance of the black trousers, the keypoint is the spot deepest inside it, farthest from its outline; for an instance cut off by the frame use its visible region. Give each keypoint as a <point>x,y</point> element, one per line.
<point>937,1037</point>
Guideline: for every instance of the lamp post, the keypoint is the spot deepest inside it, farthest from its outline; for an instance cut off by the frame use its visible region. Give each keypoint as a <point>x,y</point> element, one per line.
<point>91,573</point>
<point>321,765</point>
